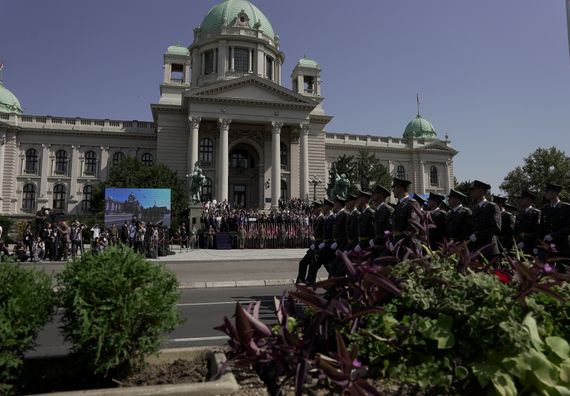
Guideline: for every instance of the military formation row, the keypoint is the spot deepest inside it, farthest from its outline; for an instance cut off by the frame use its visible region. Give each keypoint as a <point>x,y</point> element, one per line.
<point>367,221</point>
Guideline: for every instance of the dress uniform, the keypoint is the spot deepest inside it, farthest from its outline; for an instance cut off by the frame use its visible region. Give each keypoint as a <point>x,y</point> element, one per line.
<point>437,218</point>
<point>317,239</point>
<point>404,217</point>
<point>458,218</point>
<point>382,220</point>
<point>324,253</point>
<point>352,224</point>
<point>527,224</point>
<point>339,226</point>
<point>365,222</point>
<point>507,235</point>
<point>555,221</point>
<point>486,221</point>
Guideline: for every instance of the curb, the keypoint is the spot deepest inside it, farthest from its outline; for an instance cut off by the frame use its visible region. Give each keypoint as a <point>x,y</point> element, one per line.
<point>240,283</point>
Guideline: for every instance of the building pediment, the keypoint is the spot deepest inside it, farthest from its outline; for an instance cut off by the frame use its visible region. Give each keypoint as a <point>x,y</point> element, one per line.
<point>439,146</point>
<point>250,89</point>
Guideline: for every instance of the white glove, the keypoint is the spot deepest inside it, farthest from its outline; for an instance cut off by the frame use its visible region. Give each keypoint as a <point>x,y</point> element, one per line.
<point>371,242</point>
<point>358,249</point>
<point>321,245</point>
<point>520,245</point>
<point>334,246</point>
<point>548,238</point>
<point>312,247</point>
<point>473,238</point>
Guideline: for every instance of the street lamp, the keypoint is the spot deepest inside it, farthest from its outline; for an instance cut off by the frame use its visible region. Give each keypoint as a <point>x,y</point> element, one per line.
<point>315,181</point>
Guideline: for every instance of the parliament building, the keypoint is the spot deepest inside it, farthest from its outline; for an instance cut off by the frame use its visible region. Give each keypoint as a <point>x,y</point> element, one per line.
<point>222,104</point>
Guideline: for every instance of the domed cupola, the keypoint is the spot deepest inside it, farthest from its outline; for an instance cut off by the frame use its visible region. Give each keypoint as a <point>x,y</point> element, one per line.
<point>235,39</point>
<point>420,128</point>
<point>9,103</point>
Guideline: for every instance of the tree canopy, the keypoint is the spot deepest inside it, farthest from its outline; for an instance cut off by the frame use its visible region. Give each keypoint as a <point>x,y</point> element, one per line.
<point>364,171</point>
<point>540,167</point>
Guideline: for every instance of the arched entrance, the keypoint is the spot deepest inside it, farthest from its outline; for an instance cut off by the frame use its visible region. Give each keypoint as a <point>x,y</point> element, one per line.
<point>244,176</point>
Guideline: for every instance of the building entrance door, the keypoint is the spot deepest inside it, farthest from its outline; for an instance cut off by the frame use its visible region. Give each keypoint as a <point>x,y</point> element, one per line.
<point>240,196</point>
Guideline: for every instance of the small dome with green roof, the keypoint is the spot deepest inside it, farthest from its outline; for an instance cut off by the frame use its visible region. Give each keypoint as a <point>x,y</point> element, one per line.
<point>420,128</point>
<point>307,62</point>
<point>231,13</point>
<point>178,49</point>
<point>9,103</point>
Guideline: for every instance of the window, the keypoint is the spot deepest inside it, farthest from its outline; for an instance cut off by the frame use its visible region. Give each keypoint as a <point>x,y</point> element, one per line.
<point>433,179</point>
<point>209,62</point>
<point>241,59</point>
<point>29,197</point>
<point>177,73</point>
<point>207,190</point>
<point>309,82</point>
<point>118,157</point>
<point>240,159</point>
<point>59,196</point>
<point>284,191</point>
<point>269,67</point>
<point>147,159</point>
<point>61,162</point>
<point>284,161</point>
<point>31,161</point>
<point>90,163</point>
<point>401,172</point>
<point>87,195</point>
<point>206,154</point>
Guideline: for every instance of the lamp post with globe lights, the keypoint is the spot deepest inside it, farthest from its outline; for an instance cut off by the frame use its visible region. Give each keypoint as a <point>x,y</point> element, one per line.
<point>315,181</point>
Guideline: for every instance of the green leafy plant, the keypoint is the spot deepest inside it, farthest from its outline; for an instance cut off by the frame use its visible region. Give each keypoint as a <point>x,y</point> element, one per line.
<point>117,306</point>
<point>26,305</point>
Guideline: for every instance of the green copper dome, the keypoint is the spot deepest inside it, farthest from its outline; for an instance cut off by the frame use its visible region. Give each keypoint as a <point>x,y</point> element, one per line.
<point>420,128</point>
<point>307,62</point>
<point>227,13</point>
<point>178,49</point>
<point>9,103</point>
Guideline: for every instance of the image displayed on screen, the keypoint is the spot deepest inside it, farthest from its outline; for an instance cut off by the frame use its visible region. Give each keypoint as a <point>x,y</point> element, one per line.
<point>151,205</point>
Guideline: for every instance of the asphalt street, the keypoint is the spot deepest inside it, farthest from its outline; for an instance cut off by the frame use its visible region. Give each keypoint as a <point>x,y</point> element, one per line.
<point>202,309</point>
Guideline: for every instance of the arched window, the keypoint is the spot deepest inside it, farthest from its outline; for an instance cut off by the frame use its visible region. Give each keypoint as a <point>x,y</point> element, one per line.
<point>59,196</point>
<point>207,190</point>
<point>90,163</point>
<point>87,195</point>
<point>284,161</point>
<point>147,159</point>
<point>401,172</point>
<point>31,161</point>
<point>206,153</point>
<point>433,178</point>
<point>284,191</point>
<point>29,197</point>
<point>61,162</point>
<point>118,157</point>
<point>240,158</point>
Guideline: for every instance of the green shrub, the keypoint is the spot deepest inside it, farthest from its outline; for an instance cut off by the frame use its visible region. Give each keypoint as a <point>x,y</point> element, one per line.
<point>117,306</point>
<point>26,305</point>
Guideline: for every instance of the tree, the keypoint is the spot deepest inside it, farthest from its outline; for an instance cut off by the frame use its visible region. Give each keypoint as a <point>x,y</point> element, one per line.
<point>132,173</point>
<point>463,187</point>
<point>364,171</point>
<point>540,167</point>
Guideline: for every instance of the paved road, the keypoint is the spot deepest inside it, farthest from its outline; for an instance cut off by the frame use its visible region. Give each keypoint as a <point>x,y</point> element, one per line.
<point>203,309</point>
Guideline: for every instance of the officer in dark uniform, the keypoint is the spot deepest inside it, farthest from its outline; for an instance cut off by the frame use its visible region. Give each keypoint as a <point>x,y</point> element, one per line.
<point>351,222</point>
<point>527,224</point>
<point>405,214</point>
<point>382,220</point>
<point>507,235</point>
<point>486,221</point>
<point>365,221</point>
<point>421,201</point>
<point>317,239</point>
<point>437,217</point>
<point>340,236</point>
<point>555,223</point>
<point>324,252</point>
<point>458,220</point>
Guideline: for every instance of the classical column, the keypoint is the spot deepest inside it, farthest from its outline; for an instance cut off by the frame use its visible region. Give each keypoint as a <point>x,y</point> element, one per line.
<point>304,161</point>
<point>223,179</point>
<point>194,123</point>
<point>104,164</point>
<point>276,163</point>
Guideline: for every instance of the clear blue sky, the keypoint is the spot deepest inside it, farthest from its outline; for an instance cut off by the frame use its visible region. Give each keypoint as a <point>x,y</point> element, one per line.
<point>493,74</point>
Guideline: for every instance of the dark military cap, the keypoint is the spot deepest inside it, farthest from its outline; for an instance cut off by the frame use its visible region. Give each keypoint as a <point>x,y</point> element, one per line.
<point>351,197</point>
<point>317,204</point>
<point>328,202</point>
<point>499,200</point>
<point>366,194</point>
<point>436,197</point>
<point>528,194</point>
<point>444,206</point>
<point>419,198</point>
<point>457,194</point>
<point>481,185</point>
<point>511,207</point>
<point>340,199</point>
<point>553,187</point>
<point>400,182</point>
<point>378,189</point>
